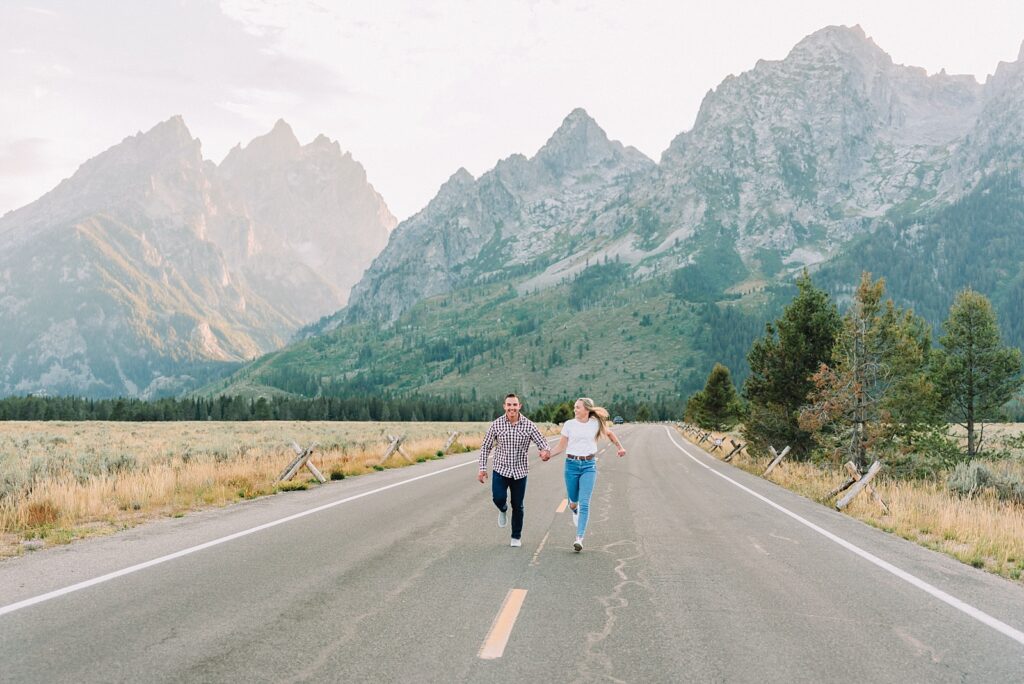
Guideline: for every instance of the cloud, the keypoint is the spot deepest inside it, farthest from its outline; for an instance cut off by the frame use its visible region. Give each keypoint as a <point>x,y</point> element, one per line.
<point>24,157</point>
<point>42,11</point>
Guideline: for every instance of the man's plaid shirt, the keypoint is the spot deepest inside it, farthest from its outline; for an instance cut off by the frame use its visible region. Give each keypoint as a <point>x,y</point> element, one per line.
<point>513,443</point>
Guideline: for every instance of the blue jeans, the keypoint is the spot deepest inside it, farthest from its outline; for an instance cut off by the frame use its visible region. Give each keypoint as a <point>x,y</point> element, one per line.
<point>580,477</point>
<point>500,488</point>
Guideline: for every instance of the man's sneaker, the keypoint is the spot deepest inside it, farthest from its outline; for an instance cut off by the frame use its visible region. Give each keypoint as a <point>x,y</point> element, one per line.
<point>577,545</point>
<point>516,542</point>
<point>502,518</point>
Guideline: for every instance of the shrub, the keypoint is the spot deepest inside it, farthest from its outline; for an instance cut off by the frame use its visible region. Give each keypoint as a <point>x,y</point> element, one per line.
<point>13,480</point>
<point>337,474</point>
<point>1009,486</point>
<point>1003,479</point>
<point>121,463</point>
<point>933,453</point>
<point>968,479</point>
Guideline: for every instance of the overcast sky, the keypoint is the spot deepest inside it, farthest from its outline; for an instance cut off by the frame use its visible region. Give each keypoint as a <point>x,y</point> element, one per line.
<point>415,89</point>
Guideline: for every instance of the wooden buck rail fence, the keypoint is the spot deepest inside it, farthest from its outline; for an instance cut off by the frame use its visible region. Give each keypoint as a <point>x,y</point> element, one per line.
<point>855,483</point>
<point>301,459</point>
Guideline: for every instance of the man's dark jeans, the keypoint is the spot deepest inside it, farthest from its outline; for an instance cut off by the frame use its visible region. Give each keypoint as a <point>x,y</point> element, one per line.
<point>500,488</point>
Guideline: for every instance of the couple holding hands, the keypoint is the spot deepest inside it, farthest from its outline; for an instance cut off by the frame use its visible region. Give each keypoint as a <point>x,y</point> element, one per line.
<point>513,433</point>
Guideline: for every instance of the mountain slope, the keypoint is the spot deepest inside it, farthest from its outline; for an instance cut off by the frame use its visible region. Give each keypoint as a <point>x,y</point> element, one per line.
<point>320,222</point>
<point>521,215</point>
<point>146,274</point>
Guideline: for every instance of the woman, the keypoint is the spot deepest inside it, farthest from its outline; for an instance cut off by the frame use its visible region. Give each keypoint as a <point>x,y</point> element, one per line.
<point>579,442</point>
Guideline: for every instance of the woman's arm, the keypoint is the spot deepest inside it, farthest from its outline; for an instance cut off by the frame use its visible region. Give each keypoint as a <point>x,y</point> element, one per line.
<point>562,443</point>
<point>616,442</point>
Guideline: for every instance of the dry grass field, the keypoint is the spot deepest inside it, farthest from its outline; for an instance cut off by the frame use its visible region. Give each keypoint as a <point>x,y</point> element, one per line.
<point>982,530</point>
<point>64,480</point>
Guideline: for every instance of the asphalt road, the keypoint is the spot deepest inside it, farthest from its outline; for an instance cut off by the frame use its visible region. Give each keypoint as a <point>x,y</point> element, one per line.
<point>692,571</point>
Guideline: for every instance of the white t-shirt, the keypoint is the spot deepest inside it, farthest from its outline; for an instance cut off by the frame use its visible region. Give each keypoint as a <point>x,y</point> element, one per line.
<point>582,436</point>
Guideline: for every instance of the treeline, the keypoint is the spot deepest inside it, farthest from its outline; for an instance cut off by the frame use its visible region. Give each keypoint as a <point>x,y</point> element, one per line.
<point>868,383</point>
<point>661,408</point>
<point>237,408</point>
<point>364,408</point>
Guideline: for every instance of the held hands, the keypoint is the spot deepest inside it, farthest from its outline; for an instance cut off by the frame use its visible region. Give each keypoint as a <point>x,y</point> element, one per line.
<point>545,454</point>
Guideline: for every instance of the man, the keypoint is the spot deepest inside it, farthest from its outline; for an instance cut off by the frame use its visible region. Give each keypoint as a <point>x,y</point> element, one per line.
<point>513,433</point>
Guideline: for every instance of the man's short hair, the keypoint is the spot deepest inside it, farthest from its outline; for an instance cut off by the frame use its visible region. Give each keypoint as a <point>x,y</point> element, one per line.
<point>510,395</point>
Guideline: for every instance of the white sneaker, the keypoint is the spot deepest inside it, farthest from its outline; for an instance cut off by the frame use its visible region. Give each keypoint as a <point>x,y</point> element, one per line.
<point>575,516</point>
<point>577,545</point>
<point>516,542</point>
<point>502,518</point>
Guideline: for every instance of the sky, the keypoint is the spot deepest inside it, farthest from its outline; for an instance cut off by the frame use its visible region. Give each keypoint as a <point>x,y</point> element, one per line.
<point>416,89</point>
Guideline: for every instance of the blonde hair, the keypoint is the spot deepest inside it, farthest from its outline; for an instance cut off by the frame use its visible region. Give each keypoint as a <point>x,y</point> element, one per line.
<point>600,412</point>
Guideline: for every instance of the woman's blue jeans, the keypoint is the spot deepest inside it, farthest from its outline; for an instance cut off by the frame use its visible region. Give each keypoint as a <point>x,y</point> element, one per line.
<point>580,477</point>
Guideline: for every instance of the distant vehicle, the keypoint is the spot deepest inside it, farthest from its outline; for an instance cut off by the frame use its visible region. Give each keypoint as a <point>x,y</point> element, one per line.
<point>618,420</point>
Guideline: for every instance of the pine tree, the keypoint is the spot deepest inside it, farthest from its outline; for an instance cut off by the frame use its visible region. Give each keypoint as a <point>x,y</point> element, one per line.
<point>695,409</point>
<point>975,373</point>
<point>717,405</point>
<point>781,366</point>
<point>876,395</point>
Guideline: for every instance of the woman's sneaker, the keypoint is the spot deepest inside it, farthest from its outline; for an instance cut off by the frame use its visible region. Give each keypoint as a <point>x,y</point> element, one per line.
<point>575,516</point>
<point>577,545</point>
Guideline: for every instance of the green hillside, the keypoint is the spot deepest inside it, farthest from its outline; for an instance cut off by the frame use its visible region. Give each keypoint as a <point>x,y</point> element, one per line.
<point>926,259</point>
<point>603,335</point>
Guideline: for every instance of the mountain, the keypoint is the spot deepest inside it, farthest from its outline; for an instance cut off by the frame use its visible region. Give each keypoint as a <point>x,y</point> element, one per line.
<point>146,272</point>
<point>478,229</point>
<point>589,269</point>
<point>784,164</point>
<point>321,222</point>
<point>793,158</point>
<point>995,142</point>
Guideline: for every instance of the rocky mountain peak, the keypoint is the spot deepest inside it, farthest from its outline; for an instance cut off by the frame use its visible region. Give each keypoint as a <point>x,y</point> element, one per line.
<point>1006,72</point>
<point>459,179</point>
<point>278,146</point>
<point>322,142</point>
<point>833,42</point>
<point>168,139</point>
<point>169,133</point>
<point>152,166</point>
<point>578,143</point>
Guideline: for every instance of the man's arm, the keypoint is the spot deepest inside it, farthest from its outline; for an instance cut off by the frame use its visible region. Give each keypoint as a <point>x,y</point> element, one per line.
<point>485,451</point>
<point>542,443</point>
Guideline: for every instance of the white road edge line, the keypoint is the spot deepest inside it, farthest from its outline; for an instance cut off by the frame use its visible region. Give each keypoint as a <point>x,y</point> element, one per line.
<point>10,608</point>
<point>963,607</point>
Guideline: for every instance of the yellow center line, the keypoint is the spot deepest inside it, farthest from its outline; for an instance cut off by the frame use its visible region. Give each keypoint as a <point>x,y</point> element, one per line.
<point>561,507</point>
<point>496,640</point>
